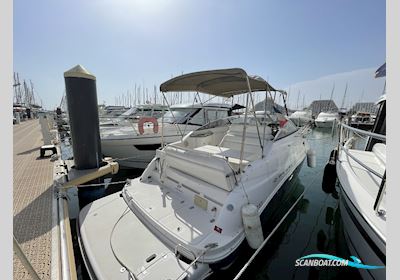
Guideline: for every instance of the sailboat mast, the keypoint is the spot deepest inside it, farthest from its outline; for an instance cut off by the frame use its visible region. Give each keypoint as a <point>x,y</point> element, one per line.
<point>344,96</point>
<point>155,94</point>
<point>330,99</point>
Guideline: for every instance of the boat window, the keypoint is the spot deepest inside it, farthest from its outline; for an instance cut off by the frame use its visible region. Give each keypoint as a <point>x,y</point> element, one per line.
<point>197,118</point>
<point>147,112</point>
<point>157,113</point>
<point>213,115</point>
<point>286,127</point>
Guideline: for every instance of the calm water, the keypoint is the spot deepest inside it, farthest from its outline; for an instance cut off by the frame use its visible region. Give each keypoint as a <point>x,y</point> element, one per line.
<point>313,226</point>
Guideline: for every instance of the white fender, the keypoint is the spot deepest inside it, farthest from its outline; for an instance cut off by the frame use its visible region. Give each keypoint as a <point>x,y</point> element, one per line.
<point>311,158</point>
<point>252,226</point>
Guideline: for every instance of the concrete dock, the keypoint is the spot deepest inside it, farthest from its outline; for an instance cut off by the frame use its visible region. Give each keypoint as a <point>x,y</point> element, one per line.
<point>32,200</point>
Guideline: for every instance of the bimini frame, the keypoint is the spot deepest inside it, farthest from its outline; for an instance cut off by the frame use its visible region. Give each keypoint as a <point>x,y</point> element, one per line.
<point>225,83</point>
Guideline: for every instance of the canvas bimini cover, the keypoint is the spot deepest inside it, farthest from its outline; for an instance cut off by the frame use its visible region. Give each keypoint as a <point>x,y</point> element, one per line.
<point>222,82</point>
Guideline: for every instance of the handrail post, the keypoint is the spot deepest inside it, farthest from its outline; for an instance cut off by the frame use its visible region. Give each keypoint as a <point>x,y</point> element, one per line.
<point>379,197</point>
<point>244,134</point>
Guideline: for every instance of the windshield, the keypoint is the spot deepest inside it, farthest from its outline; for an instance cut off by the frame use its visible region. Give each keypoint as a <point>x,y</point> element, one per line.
<point>129,112</point>
<point>261,119</point>
<point>178,115</point>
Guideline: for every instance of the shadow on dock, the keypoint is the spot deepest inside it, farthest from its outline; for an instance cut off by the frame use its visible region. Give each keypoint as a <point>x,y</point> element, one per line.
<point>29,151</point>
<point>27,224</point>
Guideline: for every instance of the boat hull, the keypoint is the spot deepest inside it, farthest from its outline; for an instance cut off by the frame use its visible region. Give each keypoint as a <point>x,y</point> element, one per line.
<point>110,209</point>
<point>301,121</point>
<point>276,209</point>
<point>101,262</point>
<point>361,239</point>
<point>135,152</point>
<point>363,229</point>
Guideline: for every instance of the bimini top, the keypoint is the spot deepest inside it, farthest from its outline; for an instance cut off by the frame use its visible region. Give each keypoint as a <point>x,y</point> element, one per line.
<point>222,82</point>
<point>207,105</point>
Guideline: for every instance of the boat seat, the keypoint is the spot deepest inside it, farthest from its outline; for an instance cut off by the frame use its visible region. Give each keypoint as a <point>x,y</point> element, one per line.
<point>379,149</point>
<point>205,167</point>
<point>232,156</point>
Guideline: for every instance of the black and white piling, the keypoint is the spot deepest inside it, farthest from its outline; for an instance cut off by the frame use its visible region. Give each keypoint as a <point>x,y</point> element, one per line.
<point>81,93</point>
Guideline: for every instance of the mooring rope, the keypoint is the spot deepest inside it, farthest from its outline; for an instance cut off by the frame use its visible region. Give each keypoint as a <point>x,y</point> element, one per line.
<point>103,184</point>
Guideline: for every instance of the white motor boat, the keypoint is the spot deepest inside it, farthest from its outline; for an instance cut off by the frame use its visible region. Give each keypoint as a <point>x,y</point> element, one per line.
<point>135,144</point>
<point>362,177</point>
<point>111,111</point>
<point>200,197</point>
<point>326,119</point>
<point>362,120</point>
<point>301,118</point>
<point>133,115</point>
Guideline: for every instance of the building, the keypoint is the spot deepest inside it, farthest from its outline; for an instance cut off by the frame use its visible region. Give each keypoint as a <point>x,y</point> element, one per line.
<point>260,106</point>
<point>318,106</point>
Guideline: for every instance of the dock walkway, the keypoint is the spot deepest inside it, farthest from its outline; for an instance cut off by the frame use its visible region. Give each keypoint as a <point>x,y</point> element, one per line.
<point>32,200</point>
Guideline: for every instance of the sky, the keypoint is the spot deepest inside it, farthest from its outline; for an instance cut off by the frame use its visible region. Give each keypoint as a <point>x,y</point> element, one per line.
<point>346,89</point>
<point>292,44</point>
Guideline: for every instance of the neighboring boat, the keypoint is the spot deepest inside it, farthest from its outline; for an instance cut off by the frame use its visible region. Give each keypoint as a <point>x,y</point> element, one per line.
<point>326,119</point>
<point>200,197</point>
<point>362,177</point>
<point>362,120</point>
<point>133,115</point>
<point>111,111</point>
<point>301,118</point>
<point>135,144</point>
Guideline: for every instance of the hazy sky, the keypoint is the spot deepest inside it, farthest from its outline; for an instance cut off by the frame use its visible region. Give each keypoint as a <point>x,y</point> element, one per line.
<point>124,42</point>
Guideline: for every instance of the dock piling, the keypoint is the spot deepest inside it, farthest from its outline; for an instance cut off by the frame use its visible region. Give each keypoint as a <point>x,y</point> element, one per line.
<point>83,113</point>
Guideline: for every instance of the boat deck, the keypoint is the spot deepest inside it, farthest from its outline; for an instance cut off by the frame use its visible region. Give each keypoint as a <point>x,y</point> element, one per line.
<point>32,200</point>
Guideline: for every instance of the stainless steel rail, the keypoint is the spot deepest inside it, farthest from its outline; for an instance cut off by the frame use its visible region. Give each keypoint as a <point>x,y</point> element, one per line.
<point>382,188</point>
<point>364,132</point>
<point>346,150</point>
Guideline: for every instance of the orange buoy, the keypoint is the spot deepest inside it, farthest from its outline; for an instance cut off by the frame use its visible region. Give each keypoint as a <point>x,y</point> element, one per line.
<point>144,120</point>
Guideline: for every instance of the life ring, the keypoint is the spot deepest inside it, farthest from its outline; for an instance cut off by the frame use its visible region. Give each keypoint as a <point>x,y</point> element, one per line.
<point>282,122</point>
<point>144,120</point>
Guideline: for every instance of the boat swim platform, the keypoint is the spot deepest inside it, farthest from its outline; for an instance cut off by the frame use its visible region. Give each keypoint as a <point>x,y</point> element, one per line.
<point>32,200</point>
